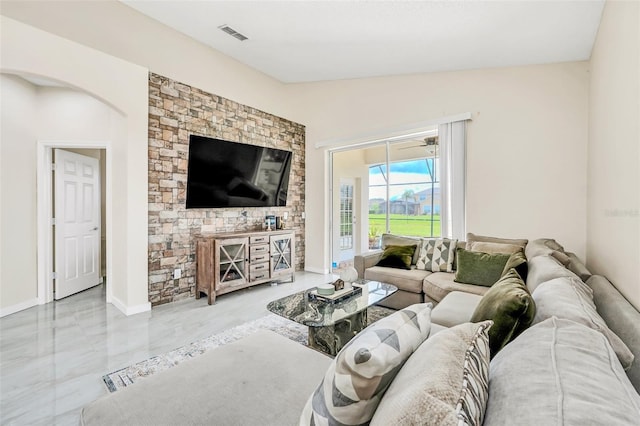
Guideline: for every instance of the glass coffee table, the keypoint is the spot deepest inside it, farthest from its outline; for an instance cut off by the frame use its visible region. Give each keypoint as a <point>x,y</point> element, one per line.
<point>332,324</point>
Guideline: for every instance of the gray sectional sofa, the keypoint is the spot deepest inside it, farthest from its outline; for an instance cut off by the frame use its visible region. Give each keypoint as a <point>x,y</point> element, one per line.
<point>566,368</point>
<point>418,286</point>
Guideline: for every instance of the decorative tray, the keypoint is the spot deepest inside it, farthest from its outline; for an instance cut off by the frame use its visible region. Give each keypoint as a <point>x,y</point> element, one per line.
<point>336,297</point>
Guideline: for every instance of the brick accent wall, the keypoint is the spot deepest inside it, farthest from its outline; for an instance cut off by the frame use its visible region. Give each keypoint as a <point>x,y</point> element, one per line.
<point>177,110</point>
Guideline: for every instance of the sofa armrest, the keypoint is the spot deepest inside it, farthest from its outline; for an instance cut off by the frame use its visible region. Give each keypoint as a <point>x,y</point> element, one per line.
<point>366,260</point>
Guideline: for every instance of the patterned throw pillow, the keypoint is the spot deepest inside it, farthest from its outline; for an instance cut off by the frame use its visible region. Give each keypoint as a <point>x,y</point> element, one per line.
<point>361,372</point>
<point>436,254</point>
<point>475,380</point>
<point>445,381</point>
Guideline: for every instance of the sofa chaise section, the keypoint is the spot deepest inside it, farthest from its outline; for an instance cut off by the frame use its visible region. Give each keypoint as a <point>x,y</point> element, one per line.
<point>264,378</point>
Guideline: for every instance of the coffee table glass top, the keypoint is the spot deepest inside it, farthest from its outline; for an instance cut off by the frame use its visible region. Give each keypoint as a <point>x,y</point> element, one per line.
<point>313,313</point>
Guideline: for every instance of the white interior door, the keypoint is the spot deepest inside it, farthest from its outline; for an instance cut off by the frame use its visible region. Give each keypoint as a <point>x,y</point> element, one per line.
<point>77,222</point>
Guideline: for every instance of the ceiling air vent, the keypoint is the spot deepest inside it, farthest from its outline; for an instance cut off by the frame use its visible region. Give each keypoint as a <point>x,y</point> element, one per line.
<point>227,29</point>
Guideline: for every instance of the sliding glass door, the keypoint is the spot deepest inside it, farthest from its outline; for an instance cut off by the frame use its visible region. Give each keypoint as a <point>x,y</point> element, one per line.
<point>389,186</point>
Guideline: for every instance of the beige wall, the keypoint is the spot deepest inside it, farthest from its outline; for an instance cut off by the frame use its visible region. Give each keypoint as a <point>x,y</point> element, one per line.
<point>526,151</point>
<point>18,286</point>
<point>613,231</point>
<point>121,85</point>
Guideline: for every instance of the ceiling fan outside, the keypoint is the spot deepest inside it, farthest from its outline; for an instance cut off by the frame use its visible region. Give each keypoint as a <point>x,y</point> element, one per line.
<point>428,141</point>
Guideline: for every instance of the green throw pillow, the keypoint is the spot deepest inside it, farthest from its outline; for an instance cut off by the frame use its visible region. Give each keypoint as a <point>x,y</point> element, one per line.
<point>397,256</point>
<point>510,306</point>
<point>479,268</point>
<point>517,261</point>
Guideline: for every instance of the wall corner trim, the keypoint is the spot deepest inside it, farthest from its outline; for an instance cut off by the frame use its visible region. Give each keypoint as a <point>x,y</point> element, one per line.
<point>130,310</point>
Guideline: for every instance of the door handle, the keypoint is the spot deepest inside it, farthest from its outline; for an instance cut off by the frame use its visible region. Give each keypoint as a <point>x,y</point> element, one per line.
<point>94,229</point>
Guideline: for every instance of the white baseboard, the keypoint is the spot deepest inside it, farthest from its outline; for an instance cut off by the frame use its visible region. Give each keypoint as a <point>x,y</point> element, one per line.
<point>317,270</point>
<point>18,307</point>
<point>130,310</point>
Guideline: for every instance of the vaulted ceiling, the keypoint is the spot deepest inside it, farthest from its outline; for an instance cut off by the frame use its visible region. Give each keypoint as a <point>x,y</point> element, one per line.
<point>301,41</point>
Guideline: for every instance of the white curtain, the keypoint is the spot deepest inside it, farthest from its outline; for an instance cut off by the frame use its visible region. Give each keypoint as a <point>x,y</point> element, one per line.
<point>452,140</point>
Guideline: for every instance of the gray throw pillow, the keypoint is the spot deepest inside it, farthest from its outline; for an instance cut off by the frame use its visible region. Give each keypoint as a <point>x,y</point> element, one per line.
<point>444,382</point>
<point>544,268</point>
<point>493,247</point>
<point>483,238</point>
<point>547,246</point>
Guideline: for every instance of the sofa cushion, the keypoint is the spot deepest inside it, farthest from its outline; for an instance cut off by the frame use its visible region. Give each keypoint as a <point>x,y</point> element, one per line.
<point>397,256</point>
<point>363,369</point>
<point>407,280</point>
<point>541,246</point>
<point>544,268</point>
<point>510,306</point>
<point>444,382</point>
<point>479,268</point>
<point>576,266</point>
<point>437,254</point>
<point>456,308</point>
<point>436,328</point>
<point>547,246</point>
<point>572,299</point>
<point>471,238</point>
<point>517,261</point>
<point>486,247</point>
<point>559,372</point>
<point>399,240</point>
<point>439,284</point>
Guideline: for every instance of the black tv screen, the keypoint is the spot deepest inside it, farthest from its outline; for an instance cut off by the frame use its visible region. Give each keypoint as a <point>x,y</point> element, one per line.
<point>230,174</point>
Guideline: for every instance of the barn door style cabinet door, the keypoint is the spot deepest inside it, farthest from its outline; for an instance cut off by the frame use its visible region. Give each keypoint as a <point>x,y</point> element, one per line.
<point>229,262</point>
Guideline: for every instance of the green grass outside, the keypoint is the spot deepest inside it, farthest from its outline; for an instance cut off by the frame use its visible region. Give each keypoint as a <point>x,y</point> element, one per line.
<point>400,224</point>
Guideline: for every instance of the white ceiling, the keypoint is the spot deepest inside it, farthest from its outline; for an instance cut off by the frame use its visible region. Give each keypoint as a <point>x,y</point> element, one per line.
<point>300,41</point>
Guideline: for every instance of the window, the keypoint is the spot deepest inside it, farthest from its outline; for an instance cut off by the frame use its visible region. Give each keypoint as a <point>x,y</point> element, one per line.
<point>413,188</point>
<point>346,216</point>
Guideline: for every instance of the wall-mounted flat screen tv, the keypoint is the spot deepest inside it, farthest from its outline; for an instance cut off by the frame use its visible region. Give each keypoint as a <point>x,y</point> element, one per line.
<point>230,174</point>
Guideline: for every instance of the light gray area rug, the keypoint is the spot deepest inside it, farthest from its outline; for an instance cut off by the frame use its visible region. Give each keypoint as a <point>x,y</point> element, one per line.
<point>292,330</point>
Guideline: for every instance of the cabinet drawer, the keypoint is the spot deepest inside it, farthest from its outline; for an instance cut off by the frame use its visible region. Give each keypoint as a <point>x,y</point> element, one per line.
<point>259,257</point>
<point>261,239</point>
<point>259,275</point>
<point>256,267</point>
<point>259,249</point>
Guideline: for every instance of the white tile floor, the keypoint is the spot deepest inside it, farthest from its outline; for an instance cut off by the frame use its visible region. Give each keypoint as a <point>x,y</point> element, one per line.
<point>53,357</point>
